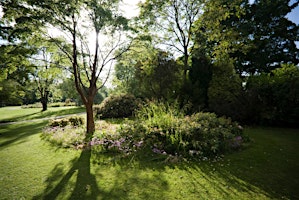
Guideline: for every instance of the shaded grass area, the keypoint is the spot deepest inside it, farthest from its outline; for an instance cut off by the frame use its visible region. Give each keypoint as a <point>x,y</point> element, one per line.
<point>26,161</point>
<point>16,113</point>
<point>32,169</point>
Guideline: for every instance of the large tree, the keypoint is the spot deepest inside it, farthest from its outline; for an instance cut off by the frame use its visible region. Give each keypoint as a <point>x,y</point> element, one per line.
<point>14,70</point>
<point>172,22</point>
<point>47,70</point>
<point>272,36</point>
<point>148,72</point>
<point>257,36</point>
<point>77,21</point>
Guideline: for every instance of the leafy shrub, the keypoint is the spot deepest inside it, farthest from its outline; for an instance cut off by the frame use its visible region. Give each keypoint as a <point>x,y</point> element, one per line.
<point>166,130</point>
<point>59,122</point>
<point>76,121</point>
<point>73,121</point>
<point>117,106</point>
<point>225,91</point>
<point>272,98</point>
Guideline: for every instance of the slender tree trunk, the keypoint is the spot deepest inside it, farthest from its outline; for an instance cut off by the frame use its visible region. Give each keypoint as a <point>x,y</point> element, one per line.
<point>186,66</point>
<point>90,119</point>
<point>44,103</point>
<point>44,100</point>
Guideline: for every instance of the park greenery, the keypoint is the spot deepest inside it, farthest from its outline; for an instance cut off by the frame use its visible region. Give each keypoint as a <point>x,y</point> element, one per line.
<point>149,107</point>
<point>216,56</point>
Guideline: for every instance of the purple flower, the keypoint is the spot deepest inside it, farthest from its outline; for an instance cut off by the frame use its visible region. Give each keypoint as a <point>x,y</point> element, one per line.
<point>122,140</point>
<point>139,144</point>
<point>236,142</point>
<point>238,138</point>
<point>158,151</point>
<point>117,143</point>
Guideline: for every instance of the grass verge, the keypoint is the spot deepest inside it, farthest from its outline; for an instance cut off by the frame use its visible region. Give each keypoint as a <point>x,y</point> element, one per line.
<point>32,169</point>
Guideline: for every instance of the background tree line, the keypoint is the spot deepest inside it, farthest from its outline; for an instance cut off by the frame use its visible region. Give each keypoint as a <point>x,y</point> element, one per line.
<point>242,59</point>
<point>233,58</point>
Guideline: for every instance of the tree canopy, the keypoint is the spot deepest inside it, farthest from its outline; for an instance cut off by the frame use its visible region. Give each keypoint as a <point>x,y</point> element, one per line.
<point>209,55</point>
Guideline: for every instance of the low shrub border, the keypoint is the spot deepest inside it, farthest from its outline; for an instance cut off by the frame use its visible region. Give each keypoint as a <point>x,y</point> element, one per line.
<point>159,127</point>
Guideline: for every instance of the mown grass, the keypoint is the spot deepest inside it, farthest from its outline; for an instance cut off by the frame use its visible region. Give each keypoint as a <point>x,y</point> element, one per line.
<point>32,169</point>
<point>16,113</point>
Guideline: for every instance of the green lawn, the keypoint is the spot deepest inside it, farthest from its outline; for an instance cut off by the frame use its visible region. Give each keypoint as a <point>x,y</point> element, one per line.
<point>32,169</point>
<point>16,113</point>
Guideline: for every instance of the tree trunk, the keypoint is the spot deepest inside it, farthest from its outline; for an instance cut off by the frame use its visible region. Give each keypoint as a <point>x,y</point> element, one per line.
<point>44,102</point>
<point>90,120</point>
<point>186,66</point>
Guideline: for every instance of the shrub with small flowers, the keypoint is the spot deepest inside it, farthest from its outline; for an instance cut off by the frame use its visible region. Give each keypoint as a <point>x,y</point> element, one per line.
<point>158,127</point>
<point>167,131</point>
<point>65,132</point>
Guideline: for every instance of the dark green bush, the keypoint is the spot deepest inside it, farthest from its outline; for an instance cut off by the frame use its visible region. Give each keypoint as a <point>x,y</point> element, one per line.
<point>118,106</point>
<point>273,98</point>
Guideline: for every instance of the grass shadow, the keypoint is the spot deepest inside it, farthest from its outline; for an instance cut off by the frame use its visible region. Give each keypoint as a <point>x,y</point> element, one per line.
<point>89,180</point>
<point>269,166</point>
<point>51,112</point>
<point>68,111</point>
<point>10,134</point>
<point>18,118</point>
<point>85,184</point>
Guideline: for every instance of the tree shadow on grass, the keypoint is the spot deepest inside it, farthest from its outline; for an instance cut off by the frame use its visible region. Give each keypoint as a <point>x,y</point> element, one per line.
<point>18,118</point>
<point>11,134</point>
<point>85,186</point>
<point>244,172</point>
<point>79,182</point>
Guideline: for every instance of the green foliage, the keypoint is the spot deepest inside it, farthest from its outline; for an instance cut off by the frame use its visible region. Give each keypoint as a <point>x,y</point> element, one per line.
<point>154,71</point>
<point>165,130</point>
<point>11,93</point>
<point>171,23</point>
<point>273,97</point>
<point>200,76</point>
<point>118,106</point>
<point>66,136</point>
<point>225,90</point>
<point>272,36</point>
<point>76,121</point>
<point>73,121</point>
<point>65,132</point>
<point>258,35</point>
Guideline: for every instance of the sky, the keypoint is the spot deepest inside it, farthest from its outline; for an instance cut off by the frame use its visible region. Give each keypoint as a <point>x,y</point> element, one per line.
<point>130,8</point>
<point>294,15</point>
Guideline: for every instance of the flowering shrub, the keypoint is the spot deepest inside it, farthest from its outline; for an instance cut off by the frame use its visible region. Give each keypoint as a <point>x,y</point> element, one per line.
<point>117,106</point>
<point>167,131</point>
<point>66,137</point>
<point>158,127</point>
<point>116,143</point>
<point>65,132</point>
